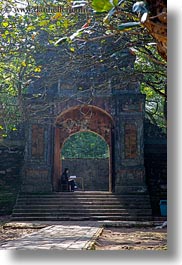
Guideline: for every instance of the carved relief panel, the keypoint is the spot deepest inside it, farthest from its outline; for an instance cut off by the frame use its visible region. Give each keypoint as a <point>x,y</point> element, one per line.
<point>37,147</point>
<point>130,140</point>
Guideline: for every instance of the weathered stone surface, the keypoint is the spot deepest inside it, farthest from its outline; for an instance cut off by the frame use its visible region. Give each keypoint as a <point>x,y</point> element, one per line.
<point>102,97</point>
<point>76,96</point>
<point>36,179</point>
<point>130,141</point>
<point>155,164</point>
<point>94,173</point>
<point>95,89</point>
<point>37,141</point>
<point>11,161</point>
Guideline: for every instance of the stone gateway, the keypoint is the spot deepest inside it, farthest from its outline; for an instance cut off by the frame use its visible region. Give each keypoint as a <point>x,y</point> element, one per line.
<point>100,98</point>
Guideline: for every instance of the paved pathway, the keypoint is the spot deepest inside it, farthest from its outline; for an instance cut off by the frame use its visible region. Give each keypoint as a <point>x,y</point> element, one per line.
<point>64,236</point>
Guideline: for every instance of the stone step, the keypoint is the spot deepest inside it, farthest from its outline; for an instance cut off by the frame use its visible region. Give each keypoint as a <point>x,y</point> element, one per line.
<point>84,195</point>
<point>95,211</point>
<point>81,195</point>
<point>91,205</point>
<point>67,213</point>
<point>92,200</point>
<point>99,200</point>
<point>77,212</point>
<point>82,205</point>
<point>71,200</point>
<point>83,218</point>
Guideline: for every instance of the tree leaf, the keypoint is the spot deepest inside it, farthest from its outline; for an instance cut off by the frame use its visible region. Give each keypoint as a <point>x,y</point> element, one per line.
<point>103,5</point>
<point>5,24</point>
<point>57,16</point>
<point>23,64</point>
<point>72,49</point>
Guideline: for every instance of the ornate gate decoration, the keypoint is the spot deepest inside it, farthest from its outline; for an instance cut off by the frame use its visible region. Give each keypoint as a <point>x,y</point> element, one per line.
<point>79,119</point>
<point>98,96</point>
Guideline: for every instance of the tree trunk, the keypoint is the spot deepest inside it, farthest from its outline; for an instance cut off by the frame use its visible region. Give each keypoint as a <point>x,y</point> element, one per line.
<point>157,24</point>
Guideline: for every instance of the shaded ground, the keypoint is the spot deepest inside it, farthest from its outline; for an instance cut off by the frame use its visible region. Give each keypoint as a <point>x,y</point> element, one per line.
<point>132,239</point>
<point>10,233</point>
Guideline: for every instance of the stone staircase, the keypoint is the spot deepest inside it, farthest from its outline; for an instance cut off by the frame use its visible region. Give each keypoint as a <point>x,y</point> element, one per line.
<point>82,206</point>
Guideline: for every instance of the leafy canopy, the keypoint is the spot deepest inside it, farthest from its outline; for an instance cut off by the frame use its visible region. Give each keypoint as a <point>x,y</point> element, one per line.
<point>85,145</point>
<point>22,30</point>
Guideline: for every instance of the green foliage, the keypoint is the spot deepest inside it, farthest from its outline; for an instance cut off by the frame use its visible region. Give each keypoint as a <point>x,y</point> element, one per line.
<point>153,83</point>
<point>20,42</point>
<point>21,27</point>
<point>150,66</point>
<point>103,5</point>
<point>85,145</point>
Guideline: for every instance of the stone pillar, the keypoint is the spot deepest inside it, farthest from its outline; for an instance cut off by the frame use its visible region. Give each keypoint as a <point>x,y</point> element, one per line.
<point>129,147</point>
<point>36,175</point>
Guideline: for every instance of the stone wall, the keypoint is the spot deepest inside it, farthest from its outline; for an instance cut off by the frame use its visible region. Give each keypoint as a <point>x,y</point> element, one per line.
<point>11,160</point>
<point>129,169</point>
<point>95,172</point>
<point>155,155</point>
<point>102,96</point>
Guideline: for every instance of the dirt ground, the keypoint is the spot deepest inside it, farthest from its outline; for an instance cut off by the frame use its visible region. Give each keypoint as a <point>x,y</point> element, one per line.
<point>117,238</point>
<point>114,238</point>
<point>11,234</point>
<point>7,234</point>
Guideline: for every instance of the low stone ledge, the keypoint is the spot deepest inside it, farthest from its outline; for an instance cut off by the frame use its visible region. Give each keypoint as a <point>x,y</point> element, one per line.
<point>90,245</point>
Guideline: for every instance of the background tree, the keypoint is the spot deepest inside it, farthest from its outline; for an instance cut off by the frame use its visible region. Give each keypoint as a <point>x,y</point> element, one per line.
<point>85,145</point>
<point>26,33</point>
<point>22,30</point>
<point>152,15</point>
<point>147,38</point>
<point>153,84</point>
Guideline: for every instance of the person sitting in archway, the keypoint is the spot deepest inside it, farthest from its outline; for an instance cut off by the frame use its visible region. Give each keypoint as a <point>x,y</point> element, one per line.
<point>64,180</point>
<point>66,183</point>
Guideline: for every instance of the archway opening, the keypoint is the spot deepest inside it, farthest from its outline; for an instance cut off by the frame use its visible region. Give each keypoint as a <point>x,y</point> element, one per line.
<point>87,118</point>
<point>87,156</point>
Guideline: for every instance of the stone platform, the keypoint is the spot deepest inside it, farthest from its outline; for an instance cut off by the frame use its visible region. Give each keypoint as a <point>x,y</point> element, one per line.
<point>63,236</point>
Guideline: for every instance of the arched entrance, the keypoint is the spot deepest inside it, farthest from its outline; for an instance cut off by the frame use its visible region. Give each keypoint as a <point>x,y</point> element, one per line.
<point>86,154</point>
<point>81,119</point>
